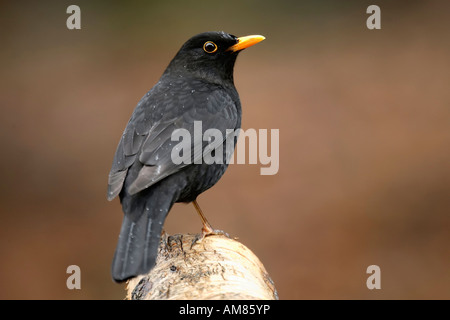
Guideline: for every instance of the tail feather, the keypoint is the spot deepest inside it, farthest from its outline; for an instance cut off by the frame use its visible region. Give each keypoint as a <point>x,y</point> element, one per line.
<point>139,238</point>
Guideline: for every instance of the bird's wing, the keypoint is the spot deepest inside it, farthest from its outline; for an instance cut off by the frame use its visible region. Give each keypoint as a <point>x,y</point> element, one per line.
<point>148,135</point>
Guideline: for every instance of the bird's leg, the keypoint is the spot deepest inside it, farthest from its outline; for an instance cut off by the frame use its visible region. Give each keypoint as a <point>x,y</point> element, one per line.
<point>207,229</point>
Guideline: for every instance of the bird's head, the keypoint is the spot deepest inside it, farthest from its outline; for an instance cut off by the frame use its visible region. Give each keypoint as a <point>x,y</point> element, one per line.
<point>210,56</point>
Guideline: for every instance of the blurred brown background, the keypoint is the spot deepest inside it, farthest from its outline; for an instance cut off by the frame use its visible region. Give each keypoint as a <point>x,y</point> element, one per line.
<point>364,141</point>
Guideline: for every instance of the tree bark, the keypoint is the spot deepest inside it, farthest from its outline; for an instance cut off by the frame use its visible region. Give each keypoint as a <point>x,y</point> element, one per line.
<point>215,267</point>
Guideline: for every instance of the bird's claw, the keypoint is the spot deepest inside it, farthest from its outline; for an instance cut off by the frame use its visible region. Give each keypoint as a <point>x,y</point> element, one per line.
<point>208,231</point>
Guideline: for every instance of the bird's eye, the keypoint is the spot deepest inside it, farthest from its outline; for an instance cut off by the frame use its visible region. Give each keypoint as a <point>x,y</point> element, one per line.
<point>210,47</point>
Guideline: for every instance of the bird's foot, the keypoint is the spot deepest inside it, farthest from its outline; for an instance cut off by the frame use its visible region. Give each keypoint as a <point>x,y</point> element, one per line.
<point>207,230</point>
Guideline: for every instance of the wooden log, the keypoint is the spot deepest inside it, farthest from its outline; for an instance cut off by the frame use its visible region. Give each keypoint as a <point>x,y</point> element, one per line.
<point>215,267</point>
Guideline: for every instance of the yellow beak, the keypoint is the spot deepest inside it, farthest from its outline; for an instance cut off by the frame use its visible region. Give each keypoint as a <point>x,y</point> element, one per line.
<point>245,42</point>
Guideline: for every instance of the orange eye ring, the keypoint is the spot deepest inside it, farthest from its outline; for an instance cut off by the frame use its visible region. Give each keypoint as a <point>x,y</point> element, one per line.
<point>210,47</point>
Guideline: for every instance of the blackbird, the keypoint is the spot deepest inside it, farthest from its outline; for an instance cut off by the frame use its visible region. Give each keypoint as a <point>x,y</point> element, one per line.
<point>197,85</point>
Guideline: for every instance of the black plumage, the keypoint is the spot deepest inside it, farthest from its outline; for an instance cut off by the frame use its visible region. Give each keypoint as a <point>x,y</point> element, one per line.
<point>196,86</point>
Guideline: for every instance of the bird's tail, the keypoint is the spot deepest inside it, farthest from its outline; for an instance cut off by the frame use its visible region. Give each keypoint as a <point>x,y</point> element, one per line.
<point>139,237</point>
